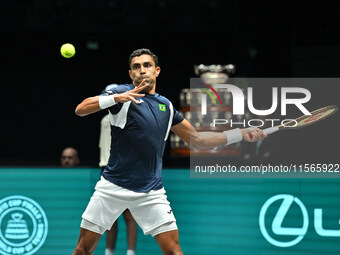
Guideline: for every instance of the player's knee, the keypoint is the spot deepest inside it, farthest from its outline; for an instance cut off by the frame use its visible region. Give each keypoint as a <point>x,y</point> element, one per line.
<point>173,248</point>
<point>82,251</point>
<point>79,251</point>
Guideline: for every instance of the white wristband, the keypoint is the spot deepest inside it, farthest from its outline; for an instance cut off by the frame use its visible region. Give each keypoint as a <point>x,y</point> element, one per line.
<point>233,136</point>
<point>106,101</point>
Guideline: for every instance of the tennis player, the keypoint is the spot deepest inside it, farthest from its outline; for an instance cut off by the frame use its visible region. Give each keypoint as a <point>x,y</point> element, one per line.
<point>141,120</point>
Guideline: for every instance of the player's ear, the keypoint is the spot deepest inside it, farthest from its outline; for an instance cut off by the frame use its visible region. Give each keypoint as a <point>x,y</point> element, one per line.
<point>158,70</point>
<point>130,74</point>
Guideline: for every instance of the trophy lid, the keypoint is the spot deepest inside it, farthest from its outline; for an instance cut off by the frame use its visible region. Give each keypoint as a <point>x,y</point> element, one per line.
<point>227,69</point>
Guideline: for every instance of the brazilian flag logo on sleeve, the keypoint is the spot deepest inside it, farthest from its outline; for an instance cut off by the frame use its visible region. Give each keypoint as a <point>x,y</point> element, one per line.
<point>162,107</point>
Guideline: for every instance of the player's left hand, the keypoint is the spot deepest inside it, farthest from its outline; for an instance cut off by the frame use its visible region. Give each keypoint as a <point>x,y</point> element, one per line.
<point>252,134</point>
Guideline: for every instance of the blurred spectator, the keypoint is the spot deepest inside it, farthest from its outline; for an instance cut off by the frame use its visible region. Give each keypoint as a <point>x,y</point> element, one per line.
<point>69,157</point>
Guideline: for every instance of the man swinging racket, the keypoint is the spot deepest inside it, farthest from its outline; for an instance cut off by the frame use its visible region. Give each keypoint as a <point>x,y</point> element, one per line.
<point>141,121</point>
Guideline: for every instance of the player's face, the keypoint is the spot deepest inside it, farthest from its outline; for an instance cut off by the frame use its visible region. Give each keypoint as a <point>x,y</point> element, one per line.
<point>143,67</point>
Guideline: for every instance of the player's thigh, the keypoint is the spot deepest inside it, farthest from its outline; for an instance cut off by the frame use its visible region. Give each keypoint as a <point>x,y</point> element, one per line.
<point>169,242</point>
<point>106,205</point>
<point>88,241</point>
<point>167,237</point>
<point>153,213</point>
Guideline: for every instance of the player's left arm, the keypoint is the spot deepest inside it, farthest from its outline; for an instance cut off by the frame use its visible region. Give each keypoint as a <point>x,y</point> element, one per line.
<point>207,140</point>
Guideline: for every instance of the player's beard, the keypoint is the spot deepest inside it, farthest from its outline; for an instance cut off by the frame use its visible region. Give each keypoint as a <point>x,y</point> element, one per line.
<point>149,87</point>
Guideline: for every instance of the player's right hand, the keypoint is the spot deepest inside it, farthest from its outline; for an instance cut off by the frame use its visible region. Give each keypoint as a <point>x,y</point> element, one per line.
<point>253,134</point>
<point>131,94</point>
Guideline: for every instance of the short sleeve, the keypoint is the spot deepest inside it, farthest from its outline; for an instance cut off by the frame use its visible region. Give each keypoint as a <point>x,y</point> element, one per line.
<point>117,90</point>
<point>177,118</point>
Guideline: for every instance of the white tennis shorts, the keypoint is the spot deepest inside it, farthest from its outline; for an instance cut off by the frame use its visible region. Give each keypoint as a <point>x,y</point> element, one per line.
<point>151,210</point>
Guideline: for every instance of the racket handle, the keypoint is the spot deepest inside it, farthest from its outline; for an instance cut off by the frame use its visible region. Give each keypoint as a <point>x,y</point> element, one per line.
<point>270,130</point>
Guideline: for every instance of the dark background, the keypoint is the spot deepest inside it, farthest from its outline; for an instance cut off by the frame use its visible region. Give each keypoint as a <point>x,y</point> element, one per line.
<point>40,89</point>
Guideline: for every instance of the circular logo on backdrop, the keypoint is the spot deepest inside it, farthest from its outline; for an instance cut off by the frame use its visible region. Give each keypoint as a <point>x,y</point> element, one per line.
<point>277,224</point>
<point>23,226</point>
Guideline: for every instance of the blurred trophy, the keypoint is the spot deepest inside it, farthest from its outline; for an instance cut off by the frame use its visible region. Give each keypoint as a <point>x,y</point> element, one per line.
<point>190,108</point>
<point>214,74</point>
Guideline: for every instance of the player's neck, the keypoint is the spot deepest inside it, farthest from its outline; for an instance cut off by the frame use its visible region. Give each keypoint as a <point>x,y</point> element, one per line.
<point>153,90</point>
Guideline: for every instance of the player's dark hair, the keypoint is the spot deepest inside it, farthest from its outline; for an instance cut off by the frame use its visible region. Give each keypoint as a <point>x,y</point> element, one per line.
<point>140,52</point>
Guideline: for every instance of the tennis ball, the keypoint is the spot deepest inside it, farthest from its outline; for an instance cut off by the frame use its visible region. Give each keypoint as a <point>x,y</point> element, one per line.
<point>67,50</point>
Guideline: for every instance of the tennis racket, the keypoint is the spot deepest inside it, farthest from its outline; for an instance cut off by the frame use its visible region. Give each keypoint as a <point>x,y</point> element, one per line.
<point>305,120</point>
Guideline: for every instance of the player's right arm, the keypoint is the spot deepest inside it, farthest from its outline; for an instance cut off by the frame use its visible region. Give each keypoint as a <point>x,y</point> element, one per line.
<point>208,140</point>
<point>94,104</point>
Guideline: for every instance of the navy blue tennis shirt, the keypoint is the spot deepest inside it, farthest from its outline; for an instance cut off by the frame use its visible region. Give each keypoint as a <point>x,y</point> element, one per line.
<point>138,138</point>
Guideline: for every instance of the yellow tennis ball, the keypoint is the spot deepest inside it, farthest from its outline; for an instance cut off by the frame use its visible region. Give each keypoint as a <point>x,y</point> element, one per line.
<point>67,50</point>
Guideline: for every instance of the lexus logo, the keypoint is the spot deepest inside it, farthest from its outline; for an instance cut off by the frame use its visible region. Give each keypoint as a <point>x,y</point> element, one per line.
<point>278,219</point>
<point>298,233</point>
